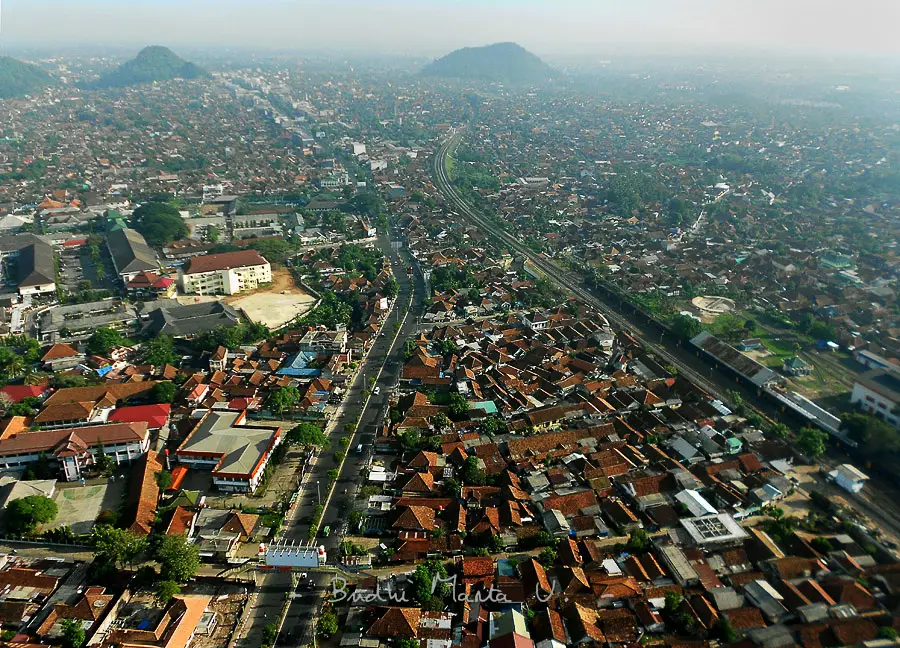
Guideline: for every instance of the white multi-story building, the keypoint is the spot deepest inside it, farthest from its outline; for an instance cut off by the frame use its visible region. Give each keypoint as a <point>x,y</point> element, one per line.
<point>225,274</point>
<point>73,448</point>
<point>878,393</point>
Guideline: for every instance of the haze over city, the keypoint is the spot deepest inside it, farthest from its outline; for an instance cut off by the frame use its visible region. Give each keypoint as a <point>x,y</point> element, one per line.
<point>432,27</point>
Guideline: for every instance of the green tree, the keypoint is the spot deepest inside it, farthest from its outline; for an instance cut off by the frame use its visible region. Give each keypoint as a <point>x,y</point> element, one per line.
<point>72,633</point>
<point>440,421</point>
<point>686,326</point>
<point>179,559</point>
<point>327,625</point>
<point>673,601</point>
<point>458,406</point>
<point>471,473</point>
<point>103,461</point>
<point>159,351</point>
<point>422,584</point>
<point>547,556</point>
<point>270,634</point>
<point>163,479</point>
<point>166,590</point>
<point>822,545</point>
<point>410,440</point>
<point>355,519</point>
<point>638,541</point>
<point>102,340</point>
<point>344,442</point>
<point>332,475</point>
<point>116,547</point>
<point>25,513</point>
<point>163,392</point>
<point>283,398</point>
<point>780,430</point>
<point>451,487</point>
<point>887,632</point>
<point>308,436</point>
<point>492,425</point>
<point>725,631</point>
<point>212,233</point>
<point>812,442</point>
<point>159,223</point>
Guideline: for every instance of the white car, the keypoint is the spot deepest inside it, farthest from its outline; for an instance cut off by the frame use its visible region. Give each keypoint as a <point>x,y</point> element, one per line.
<point>376,391</point>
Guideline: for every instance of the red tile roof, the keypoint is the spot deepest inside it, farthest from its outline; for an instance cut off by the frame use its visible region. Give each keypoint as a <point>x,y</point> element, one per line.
<point>17,393</point>
<point>155,416</point>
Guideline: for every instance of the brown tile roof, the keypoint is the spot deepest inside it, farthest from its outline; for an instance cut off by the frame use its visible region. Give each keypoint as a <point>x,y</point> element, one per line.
<point>571,504</point>
<point>111,392</point>
<point>541,444</point>
<point>477,566</point>
<point>745,618</point>
<point>396,622</point>
<point>415,517</point>
<point>420,483</point>
<point>224,261</point>
<point>180,524</point>
<point>59,351</point>
<point>143,494</point>
<point>241,523</point>
<point>87,436</point>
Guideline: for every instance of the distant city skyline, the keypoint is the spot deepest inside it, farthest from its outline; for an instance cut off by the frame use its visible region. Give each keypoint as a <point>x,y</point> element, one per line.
<point>434,27</point>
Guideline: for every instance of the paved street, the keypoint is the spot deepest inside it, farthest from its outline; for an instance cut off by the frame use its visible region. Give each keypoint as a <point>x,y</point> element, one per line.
<point>383,362</point>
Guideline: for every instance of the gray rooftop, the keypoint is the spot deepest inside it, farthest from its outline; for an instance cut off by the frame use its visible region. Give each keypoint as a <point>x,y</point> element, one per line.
<point>241,447</point>
<point>130,252</point>
<point>36,265</point>
<point>173,319</point>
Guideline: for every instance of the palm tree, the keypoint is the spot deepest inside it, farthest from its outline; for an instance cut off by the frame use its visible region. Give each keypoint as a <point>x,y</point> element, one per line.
<point>15,366</point>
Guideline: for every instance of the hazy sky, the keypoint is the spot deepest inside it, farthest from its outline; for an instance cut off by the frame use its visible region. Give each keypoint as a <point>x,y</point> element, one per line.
<point>435,26</point>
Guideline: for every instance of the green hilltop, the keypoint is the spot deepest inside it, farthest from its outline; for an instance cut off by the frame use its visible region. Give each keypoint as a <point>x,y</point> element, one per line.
<point>502,62</point>
<point>154,63</point>
<point>18,78</point>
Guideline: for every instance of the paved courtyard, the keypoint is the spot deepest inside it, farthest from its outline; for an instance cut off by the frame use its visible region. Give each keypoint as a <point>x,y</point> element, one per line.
<point>80,505</point>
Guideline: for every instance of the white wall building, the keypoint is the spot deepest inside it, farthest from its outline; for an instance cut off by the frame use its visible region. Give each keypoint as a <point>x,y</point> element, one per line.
<point>849,477</point>
<point>225,274</point>
<point>878,393</point>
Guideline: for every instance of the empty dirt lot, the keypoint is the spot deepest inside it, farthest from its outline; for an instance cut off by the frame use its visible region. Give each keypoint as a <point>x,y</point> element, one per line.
<point>274,305</point>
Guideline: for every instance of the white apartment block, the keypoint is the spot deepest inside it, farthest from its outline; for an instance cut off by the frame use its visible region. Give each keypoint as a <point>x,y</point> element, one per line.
<point>225,274</point>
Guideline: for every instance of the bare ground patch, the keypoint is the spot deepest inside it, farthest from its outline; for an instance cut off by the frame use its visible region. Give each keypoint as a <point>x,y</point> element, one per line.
<point>275,305</point>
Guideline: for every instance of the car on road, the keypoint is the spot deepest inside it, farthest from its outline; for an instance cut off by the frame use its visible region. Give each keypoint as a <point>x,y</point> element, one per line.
<point>376,391</point>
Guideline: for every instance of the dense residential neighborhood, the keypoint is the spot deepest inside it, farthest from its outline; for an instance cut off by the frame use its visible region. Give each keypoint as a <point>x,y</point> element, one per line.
<point>300,351</point>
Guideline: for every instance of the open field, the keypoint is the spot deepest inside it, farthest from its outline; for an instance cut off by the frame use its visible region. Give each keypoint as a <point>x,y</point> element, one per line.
<point>274,305</point>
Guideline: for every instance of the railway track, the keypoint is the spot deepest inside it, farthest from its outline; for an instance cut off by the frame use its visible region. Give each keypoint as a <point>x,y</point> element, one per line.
<point>563,278</point>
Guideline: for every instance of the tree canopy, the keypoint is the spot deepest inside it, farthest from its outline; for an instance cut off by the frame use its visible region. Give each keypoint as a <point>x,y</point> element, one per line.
<point>24,514</point>
<point>103,340</point>
<point>179,559</point>
<point>159,223</point>
<point>308,435</point>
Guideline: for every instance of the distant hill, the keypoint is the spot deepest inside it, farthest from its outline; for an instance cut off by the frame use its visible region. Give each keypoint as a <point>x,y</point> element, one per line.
<point>153,63</point>
<point>18,78</point>
<point>503,62</point>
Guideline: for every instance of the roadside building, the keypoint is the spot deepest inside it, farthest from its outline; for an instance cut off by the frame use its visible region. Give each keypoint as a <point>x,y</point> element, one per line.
<point>236,453</point>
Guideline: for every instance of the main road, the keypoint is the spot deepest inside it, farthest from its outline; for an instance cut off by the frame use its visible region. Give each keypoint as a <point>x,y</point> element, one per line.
<point>360,411</point>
